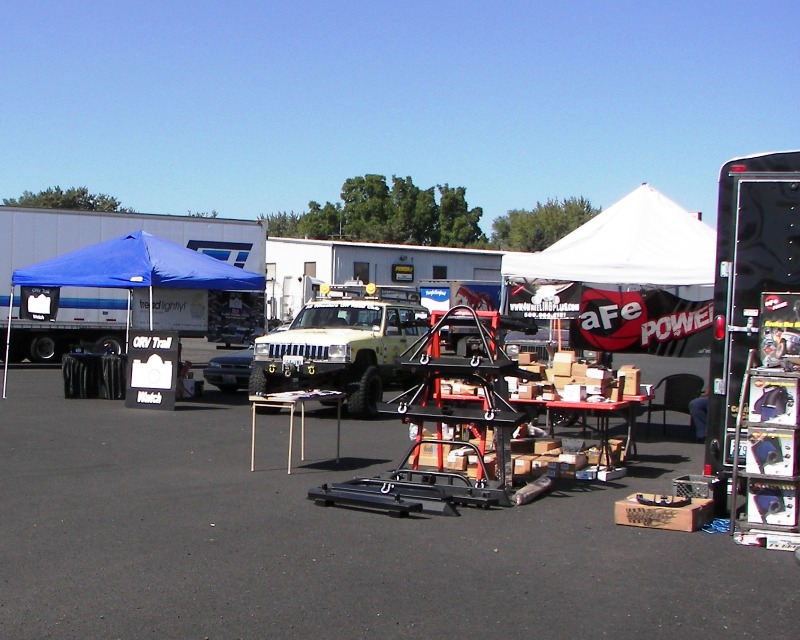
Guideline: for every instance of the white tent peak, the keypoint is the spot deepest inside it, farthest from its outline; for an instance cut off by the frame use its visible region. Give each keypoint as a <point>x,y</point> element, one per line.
<point>644,238</point>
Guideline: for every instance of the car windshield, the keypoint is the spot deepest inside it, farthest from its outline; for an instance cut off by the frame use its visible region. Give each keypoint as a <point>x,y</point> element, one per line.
<point>326,317</point>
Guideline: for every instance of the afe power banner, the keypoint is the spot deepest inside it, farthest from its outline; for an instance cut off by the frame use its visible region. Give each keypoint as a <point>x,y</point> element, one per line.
<point>652,321</point>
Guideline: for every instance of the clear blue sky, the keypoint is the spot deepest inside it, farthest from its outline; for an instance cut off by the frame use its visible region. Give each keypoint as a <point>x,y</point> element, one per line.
<point>256,107</point>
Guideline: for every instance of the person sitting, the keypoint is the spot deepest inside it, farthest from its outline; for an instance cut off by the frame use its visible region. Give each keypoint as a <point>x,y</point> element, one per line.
<point>698,409</point>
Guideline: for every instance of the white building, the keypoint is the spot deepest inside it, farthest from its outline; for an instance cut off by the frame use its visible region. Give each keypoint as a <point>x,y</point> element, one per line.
<point>294,264</point>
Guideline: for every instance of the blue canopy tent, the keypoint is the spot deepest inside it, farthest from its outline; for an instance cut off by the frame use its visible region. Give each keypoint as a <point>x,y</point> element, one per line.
<point>134,260</point>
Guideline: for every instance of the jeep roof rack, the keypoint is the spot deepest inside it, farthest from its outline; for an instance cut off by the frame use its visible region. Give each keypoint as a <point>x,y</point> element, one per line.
<point>367,291</point>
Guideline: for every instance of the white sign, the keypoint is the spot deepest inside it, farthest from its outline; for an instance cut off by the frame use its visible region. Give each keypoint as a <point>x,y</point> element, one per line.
<point>173,309</point>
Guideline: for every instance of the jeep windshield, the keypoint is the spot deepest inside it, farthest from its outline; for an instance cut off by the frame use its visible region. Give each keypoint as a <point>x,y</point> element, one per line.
<point>329,317</point>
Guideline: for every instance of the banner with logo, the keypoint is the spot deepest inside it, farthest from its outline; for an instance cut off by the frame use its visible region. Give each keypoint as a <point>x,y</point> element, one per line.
<point>39,303</point>
<point>173,309</point>
<point>651,321</point>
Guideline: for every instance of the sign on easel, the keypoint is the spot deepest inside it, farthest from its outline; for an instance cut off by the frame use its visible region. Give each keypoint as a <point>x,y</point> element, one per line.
<point>153,364</point>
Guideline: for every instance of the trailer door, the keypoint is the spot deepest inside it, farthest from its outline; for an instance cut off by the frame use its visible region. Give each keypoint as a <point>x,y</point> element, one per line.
<point>766,257</point>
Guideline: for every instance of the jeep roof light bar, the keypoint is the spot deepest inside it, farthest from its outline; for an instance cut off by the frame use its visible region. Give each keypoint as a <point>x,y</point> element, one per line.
<point>369,291</point>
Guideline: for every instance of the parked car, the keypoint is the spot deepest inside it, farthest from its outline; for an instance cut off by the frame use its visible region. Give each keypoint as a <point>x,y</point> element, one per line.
<point>231,371</point>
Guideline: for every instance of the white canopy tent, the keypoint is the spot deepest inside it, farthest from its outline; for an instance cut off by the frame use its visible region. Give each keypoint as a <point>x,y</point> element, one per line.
<point>643,239</point>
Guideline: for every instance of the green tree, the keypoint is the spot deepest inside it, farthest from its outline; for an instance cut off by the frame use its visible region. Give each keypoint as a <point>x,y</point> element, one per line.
<point>458,225</point>
<point>282,224</point>
<point>521,230</point>
<point>77,198</point>
<point>413,213</point>
<point>367,208</point>
<point>322,223</point>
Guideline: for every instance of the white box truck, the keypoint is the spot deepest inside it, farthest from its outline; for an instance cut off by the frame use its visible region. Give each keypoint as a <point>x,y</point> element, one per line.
<point>98,316</point>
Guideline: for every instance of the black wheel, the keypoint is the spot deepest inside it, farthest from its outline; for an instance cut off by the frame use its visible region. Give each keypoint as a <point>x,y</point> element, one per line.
<point>43,349</point>
<point>111,345</point>
<point>227,388</point>
<point>258,381</point>
<point>363,402</point>
<point>257,386</point>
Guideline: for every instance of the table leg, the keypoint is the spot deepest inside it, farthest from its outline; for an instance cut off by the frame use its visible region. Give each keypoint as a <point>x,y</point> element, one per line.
<point>630,444</point>
<point>338,426</point>
<point>291,434</point>
<point>302,430</point>
<point>253,442</point>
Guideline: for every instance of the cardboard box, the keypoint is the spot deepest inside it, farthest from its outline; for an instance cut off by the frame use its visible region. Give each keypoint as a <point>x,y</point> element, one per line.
<point>562,363</point>
<point>489,461</point>
<point>526,391</point>
<point>772,502</point>
<point>578,460</point>
<point>563,470</point>
<point>574,393</point>
<point>522,464</point>
<point>771,451</point>
<point>598,373</point>
<point>783,541</point>
<point>692,517</point>
<point>536,369</point>
<point>543,445</point>
<point>632,377</point>
<point>458,463</point>
<point>603,389</point>
<point>526,358</point>
<point>773,399</point>
<point>579,369</point>
<point>523,445</point>
<point>562,381</point>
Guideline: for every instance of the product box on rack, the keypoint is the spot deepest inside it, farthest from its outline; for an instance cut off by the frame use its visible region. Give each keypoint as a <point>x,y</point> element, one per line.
<point>771,451</point>
<point>773,399</point>
<point>693,516</point>
<point>772,502</point>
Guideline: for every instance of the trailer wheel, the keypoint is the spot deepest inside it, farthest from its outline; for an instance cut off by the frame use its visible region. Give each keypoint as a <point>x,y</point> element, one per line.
<point>43,349</point>
<point>111,345</point>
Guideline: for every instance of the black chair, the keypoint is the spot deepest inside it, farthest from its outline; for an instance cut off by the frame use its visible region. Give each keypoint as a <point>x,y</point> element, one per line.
<point>679,390</point>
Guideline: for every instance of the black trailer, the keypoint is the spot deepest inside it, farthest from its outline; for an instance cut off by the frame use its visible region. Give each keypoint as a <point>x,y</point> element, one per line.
<point>758,251</point>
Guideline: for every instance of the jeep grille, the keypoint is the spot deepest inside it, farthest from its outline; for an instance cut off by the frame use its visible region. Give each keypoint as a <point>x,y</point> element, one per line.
<point>309,351</point>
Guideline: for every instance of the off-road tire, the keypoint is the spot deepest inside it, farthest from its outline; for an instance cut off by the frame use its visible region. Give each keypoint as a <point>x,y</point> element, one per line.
<point>363,402</point>
<point>257,385</point>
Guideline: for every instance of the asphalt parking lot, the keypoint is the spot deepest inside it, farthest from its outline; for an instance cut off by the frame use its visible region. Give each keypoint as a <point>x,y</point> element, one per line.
<point>128,523</point>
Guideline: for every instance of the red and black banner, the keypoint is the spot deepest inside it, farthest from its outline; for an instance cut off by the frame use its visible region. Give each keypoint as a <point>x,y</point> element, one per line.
<point>649,321</point>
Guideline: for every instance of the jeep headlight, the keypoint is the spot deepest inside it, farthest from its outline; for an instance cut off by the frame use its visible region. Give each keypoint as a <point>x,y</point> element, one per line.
<point>339,353</point>
<point>261,349</point>
<point>512,350</point>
